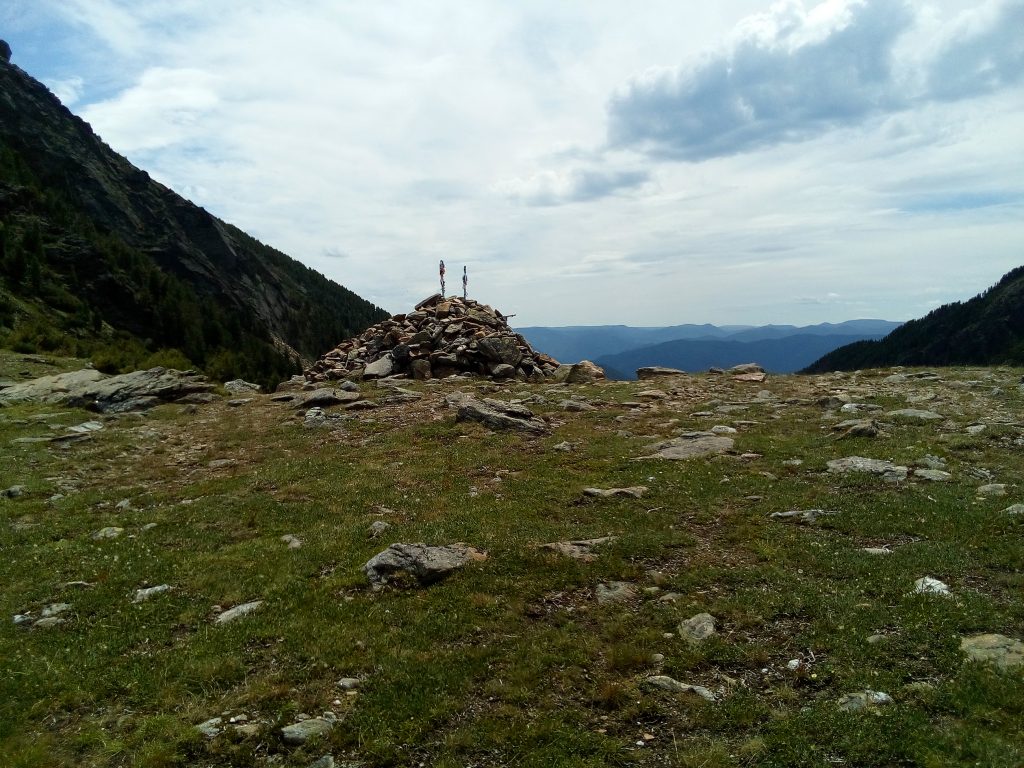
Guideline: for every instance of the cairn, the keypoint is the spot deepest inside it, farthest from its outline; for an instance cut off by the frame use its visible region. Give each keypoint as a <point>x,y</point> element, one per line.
<point>441,337</point>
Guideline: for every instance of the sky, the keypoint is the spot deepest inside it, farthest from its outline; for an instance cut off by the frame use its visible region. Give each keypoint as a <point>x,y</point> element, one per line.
<point>588,161</point>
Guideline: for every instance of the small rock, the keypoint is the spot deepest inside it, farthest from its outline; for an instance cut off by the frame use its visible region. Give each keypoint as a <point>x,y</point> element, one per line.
<point>221,463</point>
<point>20,619</point>
<point>853,702</point>
<point>1015,509</point>
<point>913,414</point>
<point>926,585</point>
<point>377,528</point>
<point>932,475</point>
<point>698,628</point>
<point>634,492</point>
<point>210,728</point>
<point>975,429</point>
<point>427,564</point>
<point>565,447</point>
<point>304,730</point>
<point>240,387</point>
<point>615,592</point>
<point>239,402</point>
<point>142,595</point>
<point>13,492</point>
<point>992,489</point>
<point>293,542</point>
<point>49,621</point>
<point>579,549</point>
<point>110,532</point>
<point>722,429</point>
<point>238,611</point>
<point>807,516</point>
<point>690,445</point>
<point>889,471</point>
<point>55,609</point>
<point>1000,650</point>
<point>666,683</point>
<point>876,550</point>
<point>349,683</point>
<point>327,761</point>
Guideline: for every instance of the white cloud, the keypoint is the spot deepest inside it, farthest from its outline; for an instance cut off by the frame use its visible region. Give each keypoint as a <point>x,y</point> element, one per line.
<point>370,140</point>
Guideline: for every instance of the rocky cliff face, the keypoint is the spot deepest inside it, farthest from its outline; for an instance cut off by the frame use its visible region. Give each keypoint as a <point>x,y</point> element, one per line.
<point>263,286</point>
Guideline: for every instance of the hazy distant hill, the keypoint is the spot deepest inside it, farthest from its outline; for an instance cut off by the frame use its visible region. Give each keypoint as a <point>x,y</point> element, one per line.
<point>98,259</point>
<point>698,347</point>
<point>986,330</point>
<point>779,355</point>
<point>570,344</point>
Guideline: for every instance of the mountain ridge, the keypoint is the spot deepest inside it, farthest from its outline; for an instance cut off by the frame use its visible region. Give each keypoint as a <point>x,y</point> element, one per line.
<point>109,242</point>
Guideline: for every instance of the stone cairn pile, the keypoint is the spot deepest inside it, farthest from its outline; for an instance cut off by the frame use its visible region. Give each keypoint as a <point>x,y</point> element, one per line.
<point>441,337</point>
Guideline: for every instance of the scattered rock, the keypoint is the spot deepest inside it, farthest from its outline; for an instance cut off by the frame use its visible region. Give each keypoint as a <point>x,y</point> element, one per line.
<point>378,527</point>
<point>497,414</point>
<point>427,564</point>
<point>579,549</point>
<point>1015,509</point>
<point>665,683</point>
<point>564,447</point>
<point>49,621</point>
<point>806,516</point>
<point>859,407</point>
<point>926,585</point>
<point>690,445</point>
<point>238,612</point>
<point>913,414</point>
<point>876,551</point>
<point>13,492</point>
<point>634,492</point>
<point>221,463</point>
<point>141,595</point>
<point>992,489</point>
<point>975,429</point>
<point>210,728</point>
<point>857,428</point>
<point>110,532</point>
<point>21,619</point>
<point>88,388</point>
<point>853,702</point>
<point>1000,650</point>
<point>240,387</point>
<point>932,475</point>
<point>722,429</point>
<point>304,730</point>
<point>615,592</point>
<point>698,628</point>
<point>888,471</point>
<point>55,609</point>
<point>656,371</point>
<point>349,683</point>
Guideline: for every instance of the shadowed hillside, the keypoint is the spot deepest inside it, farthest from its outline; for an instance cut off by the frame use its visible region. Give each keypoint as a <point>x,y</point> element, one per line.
<point>986,330</point>
<point>98,259</point>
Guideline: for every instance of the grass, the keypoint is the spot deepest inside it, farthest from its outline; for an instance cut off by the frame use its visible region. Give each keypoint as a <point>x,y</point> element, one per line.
<point>513,661</point>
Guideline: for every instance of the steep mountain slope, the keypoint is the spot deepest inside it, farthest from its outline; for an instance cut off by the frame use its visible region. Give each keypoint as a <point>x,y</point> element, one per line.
<point>782,355</point>
<point>986,330</point>
<point>93,248</point>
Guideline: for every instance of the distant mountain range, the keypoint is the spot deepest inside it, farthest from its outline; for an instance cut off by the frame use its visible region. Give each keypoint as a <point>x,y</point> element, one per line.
<point>985,330</point>
<point>99,260</point>
<point>621,349</point>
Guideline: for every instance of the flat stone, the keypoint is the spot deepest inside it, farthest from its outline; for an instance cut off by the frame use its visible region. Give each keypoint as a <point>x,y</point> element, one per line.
<point>886,469</point>
<point>13,492</point>
<point>697,629</point>
<point>241,387</point>
<point>1000,650</point>
<point>615,592</point>
<point>304,730</point>
<point>55,609</point>
<point>239,402</point>
<point>926,585</point>
<point>634,492</point>
<point>932,475</point>
<point>326,397</point>
<point>975,429</point>
<point>690,445</point>
<point>1015,509</point>
<point>914,414</point>
<point>806,516</point>
<point>426,564</point>
<point>238,612</point>
<point>656,371</point>
<point>745,368</point>
<point>853,702</point>
<point>666,683</point>
<point>141,595</point>
<point>578,549</point>
<point>992,489</point>
<point>210,728</point>
<point>49,621</point>
<point>878,551</point>
<point>496,414</point>
<point>110,532</point>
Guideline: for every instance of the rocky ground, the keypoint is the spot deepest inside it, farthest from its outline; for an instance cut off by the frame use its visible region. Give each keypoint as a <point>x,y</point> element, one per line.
<point>685,570</point>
